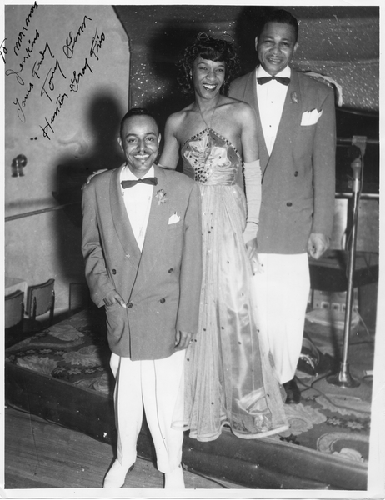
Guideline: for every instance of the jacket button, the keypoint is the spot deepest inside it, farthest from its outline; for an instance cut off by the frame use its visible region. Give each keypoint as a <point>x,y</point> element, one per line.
<point>170,270</point>
<point>289,204</point>
<point>130,304</point>
<point>162,301</point>
<point>296,174</point>
<point>113,271</point>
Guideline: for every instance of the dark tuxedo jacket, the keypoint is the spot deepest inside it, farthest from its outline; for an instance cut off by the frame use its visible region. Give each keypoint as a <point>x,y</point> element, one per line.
<point>299,176</point>
<point>160,285</point>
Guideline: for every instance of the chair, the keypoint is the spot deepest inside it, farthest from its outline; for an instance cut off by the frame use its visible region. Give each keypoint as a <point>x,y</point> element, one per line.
<point>41,299</point>
<point>13,317</point>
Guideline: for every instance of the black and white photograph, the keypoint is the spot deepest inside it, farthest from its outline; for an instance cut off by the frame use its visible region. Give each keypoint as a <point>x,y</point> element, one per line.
<point>192,279</point>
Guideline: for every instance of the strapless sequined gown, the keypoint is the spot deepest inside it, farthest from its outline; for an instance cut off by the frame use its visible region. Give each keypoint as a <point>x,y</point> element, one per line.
<point>229,378</point>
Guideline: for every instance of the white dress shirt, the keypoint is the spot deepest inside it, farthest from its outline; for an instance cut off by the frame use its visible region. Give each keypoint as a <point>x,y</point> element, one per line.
<point>137,200</point>
<point>271,97</point>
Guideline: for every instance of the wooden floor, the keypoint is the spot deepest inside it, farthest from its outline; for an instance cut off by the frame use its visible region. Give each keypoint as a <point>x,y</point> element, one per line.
<point>39,454</point>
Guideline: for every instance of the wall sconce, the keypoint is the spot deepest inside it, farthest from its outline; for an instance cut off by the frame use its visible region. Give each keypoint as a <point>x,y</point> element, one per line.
<point>17,166</point>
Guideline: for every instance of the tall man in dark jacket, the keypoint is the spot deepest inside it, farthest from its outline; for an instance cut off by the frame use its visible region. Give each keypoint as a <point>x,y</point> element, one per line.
<point>297,138</point>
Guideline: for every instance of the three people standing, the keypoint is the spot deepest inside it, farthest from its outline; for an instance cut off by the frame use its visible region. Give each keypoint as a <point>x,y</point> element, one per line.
<point>277,126</point>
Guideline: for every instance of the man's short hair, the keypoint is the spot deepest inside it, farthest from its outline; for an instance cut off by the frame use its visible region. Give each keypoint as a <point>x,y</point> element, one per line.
<point>136,112</point>
<point>280,16</point>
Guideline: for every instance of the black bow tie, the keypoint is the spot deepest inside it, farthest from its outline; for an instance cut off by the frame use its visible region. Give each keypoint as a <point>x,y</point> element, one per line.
<point>281,79</point>
<point>148,180</point>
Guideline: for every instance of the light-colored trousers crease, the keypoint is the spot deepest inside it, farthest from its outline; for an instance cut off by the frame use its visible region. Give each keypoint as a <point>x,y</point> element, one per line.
<point>282,291</point>
<point>152,386</point>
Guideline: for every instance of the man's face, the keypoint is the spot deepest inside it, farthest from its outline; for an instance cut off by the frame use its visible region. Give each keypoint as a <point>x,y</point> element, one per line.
<point>276,47</point>
<point>140,142</point>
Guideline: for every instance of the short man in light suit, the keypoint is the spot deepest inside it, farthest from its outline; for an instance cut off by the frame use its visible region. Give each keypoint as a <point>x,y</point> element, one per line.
<point>297,140</point>
<point>142,245</point>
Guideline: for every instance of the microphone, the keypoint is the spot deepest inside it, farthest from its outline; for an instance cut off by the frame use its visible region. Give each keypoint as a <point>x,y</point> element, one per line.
<point>356,167</point>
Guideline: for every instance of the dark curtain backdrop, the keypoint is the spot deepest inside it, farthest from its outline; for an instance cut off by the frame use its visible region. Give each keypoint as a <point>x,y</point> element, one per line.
<point>341,43</point>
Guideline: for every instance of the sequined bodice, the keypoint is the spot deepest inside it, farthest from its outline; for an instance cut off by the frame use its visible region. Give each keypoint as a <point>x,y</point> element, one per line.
<point>210,158</point>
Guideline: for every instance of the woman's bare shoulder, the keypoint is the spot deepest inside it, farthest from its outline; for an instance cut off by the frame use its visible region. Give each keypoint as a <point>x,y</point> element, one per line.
<point>175,120</point>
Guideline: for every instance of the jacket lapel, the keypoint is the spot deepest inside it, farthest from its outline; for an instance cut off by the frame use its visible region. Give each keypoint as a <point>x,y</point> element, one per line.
<point>290,120</point>
<point>120,219</point>
<point>263,153</point>
<point>156,233</point>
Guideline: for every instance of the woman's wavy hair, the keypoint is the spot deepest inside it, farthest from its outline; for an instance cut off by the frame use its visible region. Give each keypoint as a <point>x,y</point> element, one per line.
<point>213,49</point>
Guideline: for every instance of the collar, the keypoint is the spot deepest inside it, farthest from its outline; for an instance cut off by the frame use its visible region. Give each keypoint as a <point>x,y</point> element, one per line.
<point>285,72</point>
<point>127,175</point>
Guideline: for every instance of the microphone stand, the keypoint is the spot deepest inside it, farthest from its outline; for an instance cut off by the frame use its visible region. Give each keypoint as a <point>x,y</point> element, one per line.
<point>343,378</point>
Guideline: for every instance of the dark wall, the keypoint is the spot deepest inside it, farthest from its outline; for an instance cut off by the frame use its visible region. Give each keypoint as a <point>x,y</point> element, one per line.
<point>341,43</point>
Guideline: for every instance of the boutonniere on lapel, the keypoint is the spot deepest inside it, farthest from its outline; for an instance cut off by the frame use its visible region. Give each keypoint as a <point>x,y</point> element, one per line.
<point>294,97</point>
<point>161,196</point>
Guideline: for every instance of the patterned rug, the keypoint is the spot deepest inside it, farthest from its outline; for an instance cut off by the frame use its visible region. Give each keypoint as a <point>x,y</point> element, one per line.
<point>329,419</point>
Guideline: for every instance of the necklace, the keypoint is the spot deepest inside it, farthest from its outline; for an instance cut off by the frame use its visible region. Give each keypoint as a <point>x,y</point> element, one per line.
<point>208,125</point>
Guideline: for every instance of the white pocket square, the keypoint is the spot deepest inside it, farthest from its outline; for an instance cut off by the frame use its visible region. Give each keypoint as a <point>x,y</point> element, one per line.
<point>310,117</point>
<point>174,218</point>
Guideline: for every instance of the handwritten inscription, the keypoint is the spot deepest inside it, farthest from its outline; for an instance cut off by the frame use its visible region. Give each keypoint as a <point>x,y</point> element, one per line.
<point>96,44</point>
<point>3,50</point>
<point>20,111</point>
<point>29,51</point>
<point>21,35</point>
<point>74,83</point>
<point>50,78</point>
<point>71,41</point>
<point>48,73</point>
<point>39,62</point>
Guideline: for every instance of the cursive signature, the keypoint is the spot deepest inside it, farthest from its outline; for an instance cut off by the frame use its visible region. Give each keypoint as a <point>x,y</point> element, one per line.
<point>44,129</point>
<point>3,50</point>
<point>96,44</point>
<point>20,111</point>
<point>29,51</point>
<point>74,84</point>
<point>49,78</point>
<point>71,41</point>
<point>37,64</point>
<point>59,101</point>
<point>21,34</point>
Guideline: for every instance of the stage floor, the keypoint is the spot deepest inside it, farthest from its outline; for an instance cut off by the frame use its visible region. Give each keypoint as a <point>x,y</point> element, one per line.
<point>62,375</point>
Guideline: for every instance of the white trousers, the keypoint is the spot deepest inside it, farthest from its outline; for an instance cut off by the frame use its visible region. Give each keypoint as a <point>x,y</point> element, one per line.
<point>152,386</point>
<point>282,291</point>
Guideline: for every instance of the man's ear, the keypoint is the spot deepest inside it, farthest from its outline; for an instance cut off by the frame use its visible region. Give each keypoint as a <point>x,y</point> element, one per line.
<point>119,140</point>
<point>295,47</point>
<point>159,138</point>
<point>256,43</point>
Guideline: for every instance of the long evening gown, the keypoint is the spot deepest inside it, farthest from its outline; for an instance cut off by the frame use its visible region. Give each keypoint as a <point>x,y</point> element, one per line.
<point>229,377</point>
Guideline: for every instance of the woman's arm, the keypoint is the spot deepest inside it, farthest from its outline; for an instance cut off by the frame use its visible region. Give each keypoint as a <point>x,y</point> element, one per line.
<point>169,158</point>
<point>253,183</point>
<point>249,137</point>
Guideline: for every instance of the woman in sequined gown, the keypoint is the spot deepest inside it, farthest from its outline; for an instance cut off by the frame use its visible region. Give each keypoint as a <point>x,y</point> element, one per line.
<point>229,377</point>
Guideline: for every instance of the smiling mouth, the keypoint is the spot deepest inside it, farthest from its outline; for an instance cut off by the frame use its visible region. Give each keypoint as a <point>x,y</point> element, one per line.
<point>273,60</point>
<point>141,157</point>
<point>209,87</point>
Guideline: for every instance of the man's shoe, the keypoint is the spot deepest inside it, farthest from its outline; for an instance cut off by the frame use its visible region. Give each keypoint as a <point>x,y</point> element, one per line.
<point>293,394</point>
<point>174,479</point>
<point>116,475</point>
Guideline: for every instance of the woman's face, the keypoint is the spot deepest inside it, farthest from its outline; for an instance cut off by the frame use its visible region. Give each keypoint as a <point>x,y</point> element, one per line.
<point>208,77</point>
